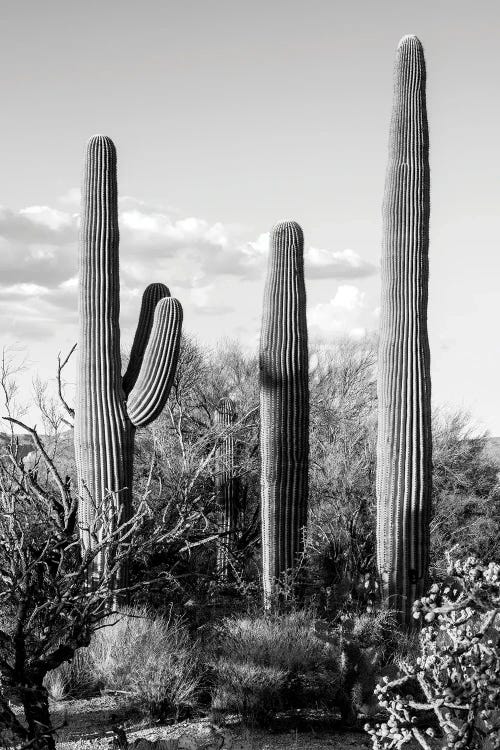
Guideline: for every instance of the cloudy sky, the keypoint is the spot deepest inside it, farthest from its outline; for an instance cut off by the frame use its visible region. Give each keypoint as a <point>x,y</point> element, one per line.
<point>228,116</point>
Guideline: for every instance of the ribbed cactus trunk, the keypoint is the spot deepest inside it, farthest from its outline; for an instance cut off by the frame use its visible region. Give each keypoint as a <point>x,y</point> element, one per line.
<point>284,407</point>
<point>226,485</point>
<point>107,413</point>
<point>404,388</point>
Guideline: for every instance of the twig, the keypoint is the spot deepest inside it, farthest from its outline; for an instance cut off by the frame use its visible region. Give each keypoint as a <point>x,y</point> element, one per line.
<point>38,443</point>
<point>60,367</point>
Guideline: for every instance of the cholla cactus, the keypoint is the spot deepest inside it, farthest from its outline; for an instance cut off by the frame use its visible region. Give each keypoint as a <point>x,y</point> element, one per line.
<point>226,484</point>
<point>404,388</point>
<point>107,410</point>
<point>284,406</point>
<point>457,673</point>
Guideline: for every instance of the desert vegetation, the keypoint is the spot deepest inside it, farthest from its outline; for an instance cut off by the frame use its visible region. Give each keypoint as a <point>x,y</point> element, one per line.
<point>275,538</point>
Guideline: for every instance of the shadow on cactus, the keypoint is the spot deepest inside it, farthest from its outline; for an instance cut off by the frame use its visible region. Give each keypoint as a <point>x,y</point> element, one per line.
<point>284,406</point>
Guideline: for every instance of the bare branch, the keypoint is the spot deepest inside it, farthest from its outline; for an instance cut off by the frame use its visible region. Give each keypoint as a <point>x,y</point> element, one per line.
<point>60,367</point>
<point>49,462</point>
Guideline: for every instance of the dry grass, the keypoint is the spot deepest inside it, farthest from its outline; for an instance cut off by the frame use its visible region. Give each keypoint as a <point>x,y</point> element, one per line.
<point>273,662</point>
<point>74,679</point>
<point>151,662</point>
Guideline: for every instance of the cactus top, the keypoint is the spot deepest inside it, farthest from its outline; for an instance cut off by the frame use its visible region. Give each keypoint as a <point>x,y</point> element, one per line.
<point>410,40</point>
<point>409,133</point>
<point>284,300</point>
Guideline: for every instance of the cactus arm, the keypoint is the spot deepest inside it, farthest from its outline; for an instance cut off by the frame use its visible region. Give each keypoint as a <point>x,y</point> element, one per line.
<point>151,390</point>
<point>284,406</point>
<point>404,390</point>
<point>152,295</point>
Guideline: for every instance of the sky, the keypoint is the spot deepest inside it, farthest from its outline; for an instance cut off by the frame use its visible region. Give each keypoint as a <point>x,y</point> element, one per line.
<point>229,116</point>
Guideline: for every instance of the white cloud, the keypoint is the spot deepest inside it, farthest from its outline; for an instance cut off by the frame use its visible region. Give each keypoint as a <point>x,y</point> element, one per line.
<point>158,231</point>
<point>323,318</point>
<point>71,283</point>
<point>319,263</point>
<point>340,315</point>
<point>255,254</point>
<point>357,333</point>
<point>348,297</point>
<point>337,264</point>
<point>129,202</point>
<point>24,290</point>
<point>37,246</point>
<point>201,295</point>
<point>48,217</point>
<point>37,224</point>
<point>39,260</point>
<point>205,299</point>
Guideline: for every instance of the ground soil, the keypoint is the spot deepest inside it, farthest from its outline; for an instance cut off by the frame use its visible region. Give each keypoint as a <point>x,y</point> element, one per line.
<point>88,724</point>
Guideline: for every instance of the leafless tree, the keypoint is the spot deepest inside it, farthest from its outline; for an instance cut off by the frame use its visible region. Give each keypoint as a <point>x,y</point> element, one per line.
<point>49,605</point>
<point>185,441</point>
<point>342,478</point>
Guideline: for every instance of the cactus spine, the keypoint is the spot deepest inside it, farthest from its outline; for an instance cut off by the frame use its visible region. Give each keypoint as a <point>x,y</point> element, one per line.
<point>284,406</point>
<point>108,410</point>
<point>404,388</point>
<point>226,485</point>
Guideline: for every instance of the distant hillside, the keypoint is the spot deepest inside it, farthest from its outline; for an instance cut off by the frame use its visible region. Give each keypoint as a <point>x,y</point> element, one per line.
<point>63,452</point>
<point>24,441</point>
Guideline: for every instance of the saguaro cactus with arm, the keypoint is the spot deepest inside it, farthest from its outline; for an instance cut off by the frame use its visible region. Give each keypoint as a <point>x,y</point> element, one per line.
<point>284,406</point>
<point>404,388</point>
<point>107,410</point>
<point>226,484</point>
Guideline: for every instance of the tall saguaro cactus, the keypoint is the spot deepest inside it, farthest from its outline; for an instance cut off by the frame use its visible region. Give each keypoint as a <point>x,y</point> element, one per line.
<point>284,406</point>
<point>404,388</point>
<point>108,410</point>
<point>226,484</point>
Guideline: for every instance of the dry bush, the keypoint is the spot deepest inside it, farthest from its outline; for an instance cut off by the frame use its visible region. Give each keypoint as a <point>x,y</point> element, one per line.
<point>73,679</point>
<point>466,491</point>
<point>268,663</point>
<point>150,660</point>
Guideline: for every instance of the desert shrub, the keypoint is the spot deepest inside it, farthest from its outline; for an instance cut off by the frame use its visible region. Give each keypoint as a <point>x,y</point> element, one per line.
<point>341,540</point>
<point>150,660</point>
<point>376,630</point>
<point>466,496</point>
<point>368,643</point>
<point>252,690</point>
<point>175,465</point>
<point>73,679</point>
<point>342,504</point>
<point>455,681</point>
<point>264,664</point>
<point>469,524</point>
<point>464,463</point>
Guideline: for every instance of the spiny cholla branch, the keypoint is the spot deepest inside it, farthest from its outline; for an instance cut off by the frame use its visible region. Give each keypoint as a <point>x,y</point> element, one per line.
<point>457,671</point>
